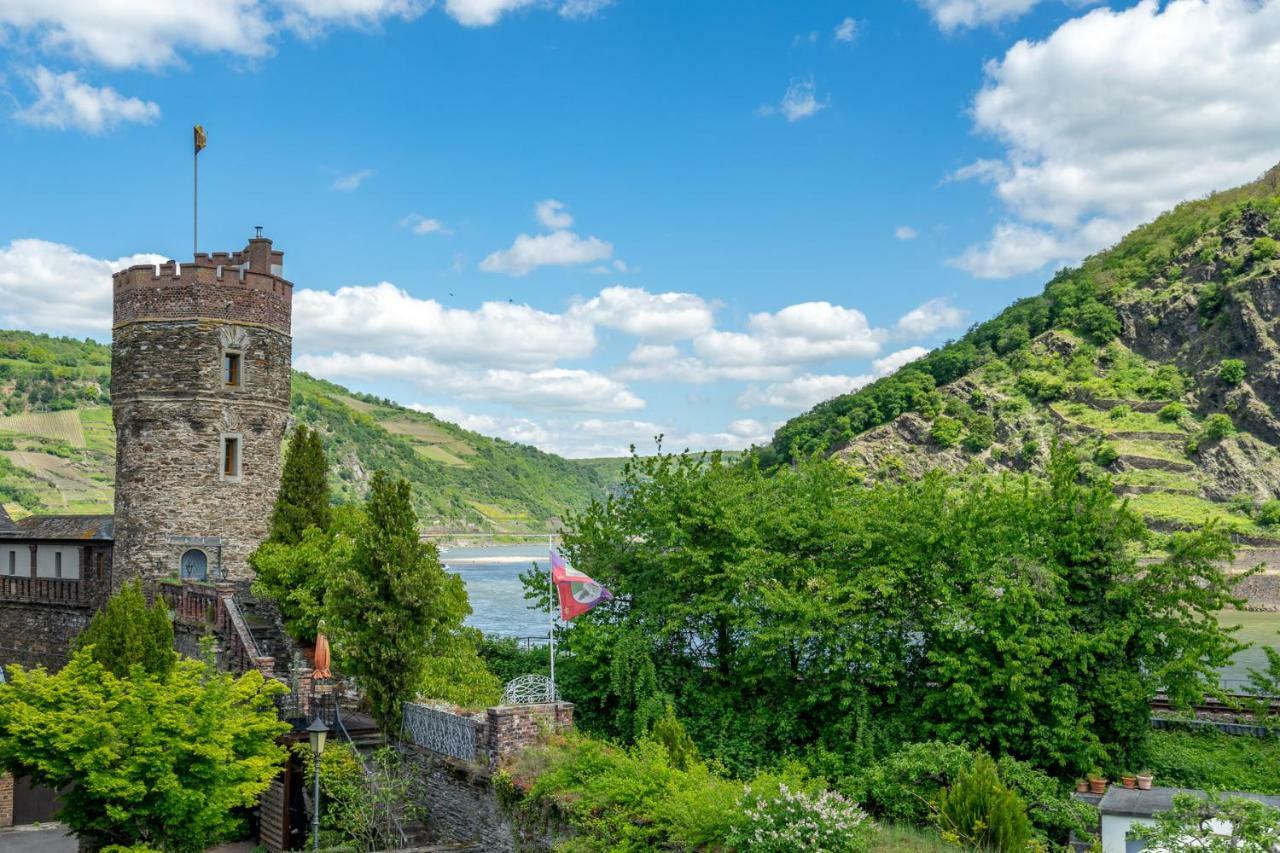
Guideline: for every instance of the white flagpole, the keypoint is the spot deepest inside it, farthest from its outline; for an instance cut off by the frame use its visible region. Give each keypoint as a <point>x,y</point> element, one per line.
<point>551,614</point>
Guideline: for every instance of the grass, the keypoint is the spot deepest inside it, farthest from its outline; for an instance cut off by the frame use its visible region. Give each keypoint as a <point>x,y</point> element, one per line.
<point>62,426</point>
<point>1212,760</point>
<point>1189,510</point>
<point>1131,421</point>
<point>907,839</point>
<point>1167,451</point>
<point>1173,481</point>
<point>437,453</point>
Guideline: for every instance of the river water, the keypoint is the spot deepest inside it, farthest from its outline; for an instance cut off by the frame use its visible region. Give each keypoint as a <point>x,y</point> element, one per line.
<point>492,576</point>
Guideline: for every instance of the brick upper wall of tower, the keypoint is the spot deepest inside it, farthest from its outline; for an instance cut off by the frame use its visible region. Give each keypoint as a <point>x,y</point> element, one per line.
<point>239,287</point>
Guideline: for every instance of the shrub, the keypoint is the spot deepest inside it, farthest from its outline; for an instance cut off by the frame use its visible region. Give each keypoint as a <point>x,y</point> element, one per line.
<point>978,811</point>
<point>903,787</point>
<point>1041,385</point>
<point>1231,371</point>
<point>1243,503</point>
<point>1264,249</point>
<point>795,820</point>
<point>1172,413</point>
<point>1099,322</point>
<point>981,433</point>
<point>1119,413</point>
<point>1105,455</point>
<point>669,731</point>
<point>946,431</point>
<point>1269,513</point>
<point>1216,427</point>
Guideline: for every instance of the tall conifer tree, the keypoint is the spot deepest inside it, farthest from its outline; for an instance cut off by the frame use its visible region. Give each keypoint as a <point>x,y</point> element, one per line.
<point>127,632</point>
<point>303,500</point>
<point>392,602</point>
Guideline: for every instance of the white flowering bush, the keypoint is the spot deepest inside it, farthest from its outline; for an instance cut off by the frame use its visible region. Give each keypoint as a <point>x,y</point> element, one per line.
<point>792,821</point>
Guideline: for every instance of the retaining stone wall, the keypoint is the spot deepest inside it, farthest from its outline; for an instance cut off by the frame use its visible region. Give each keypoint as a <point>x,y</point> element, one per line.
<point>39,634</point>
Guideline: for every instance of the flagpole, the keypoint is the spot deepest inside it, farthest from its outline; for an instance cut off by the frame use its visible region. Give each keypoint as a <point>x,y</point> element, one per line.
<point>195,204</point>
<point>551,618</point>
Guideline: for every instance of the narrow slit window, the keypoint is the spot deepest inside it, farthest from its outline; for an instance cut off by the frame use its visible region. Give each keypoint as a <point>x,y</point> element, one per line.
<point>231,457</point>
<point>57,564</point>
<point>13,562</point>
<point>231,369</point>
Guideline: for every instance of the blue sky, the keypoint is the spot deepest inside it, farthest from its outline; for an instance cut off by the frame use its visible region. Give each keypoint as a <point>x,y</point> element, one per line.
<point>578,223</point>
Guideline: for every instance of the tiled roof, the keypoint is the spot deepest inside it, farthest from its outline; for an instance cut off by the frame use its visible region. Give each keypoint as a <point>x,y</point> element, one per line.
<point>93,528</point>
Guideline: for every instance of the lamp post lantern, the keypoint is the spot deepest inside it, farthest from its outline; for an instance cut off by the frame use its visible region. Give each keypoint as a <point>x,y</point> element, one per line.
<point>317,731</point>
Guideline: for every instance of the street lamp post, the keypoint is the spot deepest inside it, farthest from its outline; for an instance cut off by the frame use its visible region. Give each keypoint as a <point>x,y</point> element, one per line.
<point>317,732</point>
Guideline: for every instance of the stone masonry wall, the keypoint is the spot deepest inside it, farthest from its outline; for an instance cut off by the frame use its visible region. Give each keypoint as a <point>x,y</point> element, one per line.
<point>39,634</point>
<point>6,799</point>
<point>171,412</point>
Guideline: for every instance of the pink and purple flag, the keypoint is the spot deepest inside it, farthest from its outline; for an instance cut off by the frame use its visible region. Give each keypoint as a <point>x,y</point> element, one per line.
<point>578,593</point>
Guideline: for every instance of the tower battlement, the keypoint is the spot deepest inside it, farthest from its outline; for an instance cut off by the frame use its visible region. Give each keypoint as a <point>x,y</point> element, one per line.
<point>200,381</point>
<point>238,287</point>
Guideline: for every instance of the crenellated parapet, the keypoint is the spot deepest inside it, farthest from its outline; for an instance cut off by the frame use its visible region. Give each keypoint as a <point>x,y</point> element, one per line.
<point>236,287</point>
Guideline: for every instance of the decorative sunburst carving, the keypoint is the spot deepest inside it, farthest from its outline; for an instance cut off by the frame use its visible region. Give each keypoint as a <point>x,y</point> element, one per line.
<point>234,337</point>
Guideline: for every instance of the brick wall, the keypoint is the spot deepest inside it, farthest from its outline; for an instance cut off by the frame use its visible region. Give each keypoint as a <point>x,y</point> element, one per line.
<point>508,729</point>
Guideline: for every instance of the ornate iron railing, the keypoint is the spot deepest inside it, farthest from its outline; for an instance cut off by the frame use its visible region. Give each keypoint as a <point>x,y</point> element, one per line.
<point>440,731</point>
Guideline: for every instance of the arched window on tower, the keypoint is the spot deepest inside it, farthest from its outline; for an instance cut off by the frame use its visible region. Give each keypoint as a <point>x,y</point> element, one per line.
<point>195,566</point>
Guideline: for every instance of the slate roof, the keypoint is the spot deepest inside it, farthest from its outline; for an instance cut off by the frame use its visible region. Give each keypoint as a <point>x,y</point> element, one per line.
<point>1135,802</point>
<point>6,523</point>
<point>83,528</point>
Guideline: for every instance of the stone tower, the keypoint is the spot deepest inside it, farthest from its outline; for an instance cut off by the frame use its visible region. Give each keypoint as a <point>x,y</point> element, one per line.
<point>200,366</point>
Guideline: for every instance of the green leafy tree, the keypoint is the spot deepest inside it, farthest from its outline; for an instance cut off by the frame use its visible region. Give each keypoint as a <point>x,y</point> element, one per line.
<point>981,813</point>
<point>1194,824</point>
<point>806,610</point>
<point>167,761</point>
<point>364,802</point>
<point>391,602</point>
<point>298,575</point>
<point>127,633</point>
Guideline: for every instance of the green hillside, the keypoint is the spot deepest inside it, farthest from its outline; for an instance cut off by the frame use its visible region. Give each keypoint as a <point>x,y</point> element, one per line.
<point>1157,359</point>
<point>57,446</point>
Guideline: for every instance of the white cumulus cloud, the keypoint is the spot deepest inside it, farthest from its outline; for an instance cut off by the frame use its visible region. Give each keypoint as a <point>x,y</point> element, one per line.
<point>1118,115</point>
<point>952,15</point>
<point>384,318</point>
<point>894,360</point>
<point>553,214</point>
<point>418,224</point>
<point>551,388</point>
<point>905,232</point>
<point>801,393</point>
<point>559,248</point>
<point>932,316</point>
<point>807,332</point>
<point>351,181</point>
<point>482,13</point>
<point>64,102</point>
<point>655,316</point>
<point>799,102</point>
<point>50,287</point>
<point>847,31</point>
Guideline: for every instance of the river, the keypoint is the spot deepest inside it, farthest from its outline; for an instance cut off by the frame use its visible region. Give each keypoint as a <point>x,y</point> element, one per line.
<point>492,576</point>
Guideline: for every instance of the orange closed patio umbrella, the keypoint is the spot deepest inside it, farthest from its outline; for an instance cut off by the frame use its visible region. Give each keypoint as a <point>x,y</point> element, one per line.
<point>322,658</point>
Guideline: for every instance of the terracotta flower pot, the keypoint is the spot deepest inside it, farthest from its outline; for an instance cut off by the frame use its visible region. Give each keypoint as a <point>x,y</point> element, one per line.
<point>1098,786</point>
<point>1129,781</point>
<point>1144,783</point>
<point>1082,786</point>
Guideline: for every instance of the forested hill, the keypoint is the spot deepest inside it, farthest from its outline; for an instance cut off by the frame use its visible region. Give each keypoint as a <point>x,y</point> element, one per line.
<point>1158,359</point>
<point>57,446</point>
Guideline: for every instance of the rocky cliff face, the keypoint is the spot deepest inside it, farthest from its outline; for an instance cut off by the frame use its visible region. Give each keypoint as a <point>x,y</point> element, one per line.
<point>1165,374</point>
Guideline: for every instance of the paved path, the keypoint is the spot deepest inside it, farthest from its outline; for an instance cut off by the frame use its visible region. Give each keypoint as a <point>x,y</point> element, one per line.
<point>52,838</point>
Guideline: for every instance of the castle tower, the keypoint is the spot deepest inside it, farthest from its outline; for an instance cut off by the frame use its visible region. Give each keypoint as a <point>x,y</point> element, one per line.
<point>200,366</point>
